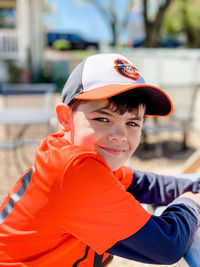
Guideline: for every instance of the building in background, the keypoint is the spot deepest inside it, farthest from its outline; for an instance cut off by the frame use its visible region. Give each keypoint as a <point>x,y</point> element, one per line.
<point>21,33</point>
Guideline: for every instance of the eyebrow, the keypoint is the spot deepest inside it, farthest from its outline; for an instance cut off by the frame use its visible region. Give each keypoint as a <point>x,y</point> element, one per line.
<point>108,112</point>
<point>103,111</point>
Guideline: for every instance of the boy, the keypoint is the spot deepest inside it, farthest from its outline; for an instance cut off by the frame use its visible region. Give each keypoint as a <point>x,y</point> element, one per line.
<point>78,205</point>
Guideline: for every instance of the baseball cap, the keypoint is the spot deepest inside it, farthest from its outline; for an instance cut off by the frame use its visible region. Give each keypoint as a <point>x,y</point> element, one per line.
<point>105,75</point>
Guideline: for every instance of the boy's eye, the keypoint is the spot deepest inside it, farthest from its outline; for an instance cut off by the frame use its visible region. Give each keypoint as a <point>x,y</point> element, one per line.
<point>131,123</point>
<point>101,119</point>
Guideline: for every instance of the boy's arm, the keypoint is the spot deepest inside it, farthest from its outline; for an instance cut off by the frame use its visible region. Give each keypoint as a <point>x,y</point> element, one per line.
<point>95,208</point>
<point>164,239</point>
<point>151,188</point>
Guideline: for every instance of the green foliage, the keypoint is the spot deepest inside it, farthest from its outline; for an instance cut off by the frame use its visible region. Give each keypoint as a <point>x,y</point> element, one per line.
<point>172,23</point>
<point>193,13</point>
<point>45,75</point>
<point>14,71</point>
<point>183,16</point>
<point>61,45</point>
<point>81,54</point>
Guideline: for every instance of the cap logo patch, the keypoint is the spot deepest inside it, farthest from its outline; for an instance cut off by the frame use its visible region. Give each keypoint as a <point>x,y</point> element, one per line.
<point>126,69</point>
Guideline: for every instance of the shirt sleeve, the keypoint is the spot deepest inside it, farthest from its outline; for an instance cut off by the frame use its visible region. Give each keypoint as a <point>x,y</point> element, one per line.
<point>95,207</point>
<point>155,189</point>
<point>164,239</point>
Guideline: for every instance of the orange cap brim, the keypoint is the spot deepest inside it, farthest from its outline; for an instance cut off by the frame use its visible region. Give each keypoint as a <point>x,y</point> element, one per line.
<point>156,94</point>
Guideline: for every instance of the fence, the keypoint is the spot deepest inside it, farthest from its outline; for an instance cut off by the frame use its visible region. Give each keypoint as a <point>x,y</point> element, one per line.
<point>8,44</point>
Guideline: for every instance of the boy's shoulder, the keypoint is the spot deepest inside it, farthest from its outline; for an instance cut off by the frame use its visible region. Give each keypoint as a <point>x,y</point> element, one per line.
<point>55,156</point>
<point>56,152</point>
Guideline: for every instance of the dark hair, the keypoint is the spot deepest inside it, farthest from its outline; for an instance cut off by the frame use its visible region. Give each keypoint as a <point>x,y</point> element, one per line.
<point>121,103</point>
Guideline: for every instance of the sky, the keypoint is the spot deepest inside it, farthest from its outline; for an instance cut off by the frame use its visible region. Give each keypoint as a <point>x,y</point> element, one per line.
<point>71,16</point>
<point>79,16</point>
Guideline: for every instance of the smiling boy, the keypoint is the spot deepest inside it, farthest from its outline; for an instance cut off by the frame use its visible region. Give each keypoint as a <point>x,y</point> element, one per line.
<point>78,205</point>
<point>100,129</point>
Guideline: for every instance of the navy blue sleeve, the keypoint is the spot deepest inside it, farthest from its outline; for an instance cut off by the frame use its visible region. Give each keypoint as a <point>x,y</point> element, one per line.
<point>155,189</point>
<point>164,239</point>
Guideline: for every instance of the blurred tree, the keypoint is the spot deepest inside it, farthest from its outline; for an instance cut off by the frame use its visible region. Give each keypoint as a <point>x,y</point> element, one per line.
<point>153,20</point>
<point>183,17</point>
<point>117,18</point>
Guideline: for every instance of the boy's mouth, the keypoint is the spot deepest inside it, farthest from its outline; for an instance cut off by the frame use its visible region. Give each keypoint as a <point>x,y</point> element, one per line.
<point>115,151</point>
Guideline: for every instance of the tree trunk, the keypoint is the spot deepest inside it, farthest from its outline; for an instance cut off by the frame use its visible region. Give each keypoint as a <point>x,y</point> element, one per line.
<point>152,28</point>
<point>192,35</point>
<point>114,34</point>
<point>152,35</point>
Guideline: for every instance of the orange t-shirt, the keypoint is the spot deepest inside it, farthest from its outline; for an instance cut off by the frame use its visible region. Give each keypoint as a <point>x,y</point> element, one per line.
<point>67,209</point>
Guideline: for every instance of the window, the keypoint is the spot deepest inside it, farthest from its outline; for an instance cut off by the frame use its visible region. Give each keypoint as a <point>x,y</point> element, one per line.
<point>7,18</point>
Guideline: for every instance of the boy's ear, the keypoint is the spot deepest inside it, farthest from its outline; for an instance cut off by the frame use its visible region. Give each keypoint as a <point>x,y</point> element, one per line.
<point>64,113</point>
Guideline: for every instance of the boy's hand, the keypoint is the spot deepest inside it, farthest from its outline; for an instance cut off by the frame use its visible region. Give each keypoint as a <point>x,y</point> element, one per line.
<point>193,196</point>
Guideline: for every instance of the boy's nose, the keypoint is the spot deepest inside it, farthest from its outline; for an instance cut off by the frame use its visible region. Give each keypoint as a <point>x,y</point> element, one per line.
<point>117,134</point>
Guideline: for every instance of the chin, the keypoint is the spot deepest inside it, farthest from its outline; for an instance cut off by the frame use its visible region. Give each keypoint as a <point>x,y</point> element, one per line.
<point>114,167</point>
<point>113,164</point>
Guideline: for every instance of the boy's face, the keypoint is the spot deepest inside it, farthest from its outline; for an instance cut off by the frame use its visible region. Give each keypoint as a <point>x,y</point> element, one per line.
<point>112,136</point>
